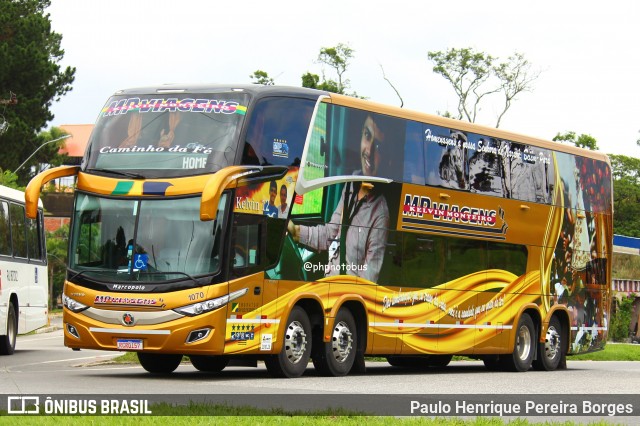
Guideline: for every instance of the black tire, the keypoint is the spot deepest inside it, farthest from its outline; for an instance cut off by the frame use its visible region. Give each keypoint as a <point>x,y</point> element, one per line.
<point>417,363</point>
<point>159,363</point>
<point>551,351</point>
<point>296,347</point>
<point>524,348</point>
<point>210,364</point>
<point>336,357</point>
<point>492,362</point>
<point>8,341</point>
<point>439,361</point>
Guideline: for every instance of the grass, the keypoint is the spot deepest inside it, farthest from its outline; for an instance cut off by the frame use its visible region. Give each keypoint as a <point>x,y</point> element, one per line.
<point>612,352</point>
<point>199,414</point>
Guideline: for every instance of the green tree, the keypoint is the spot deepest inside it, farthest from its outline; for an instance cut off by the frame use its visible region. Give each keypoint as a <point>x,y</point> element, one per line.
<point>262,77</point>
<point>476,75</point>
<point>582,141</point>
<point>625,172</point>
<point>621,319</point>
<point>10,179</point>
<point>312,81</point>
<point>337,58</point>
<point>30,53</point>
<point>57,244</point>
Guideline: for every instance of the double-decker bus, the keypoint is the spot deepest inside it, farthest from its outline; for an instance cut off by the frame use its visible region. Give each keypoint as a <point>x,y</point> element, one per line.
<point>24,288</point>
<point>235,224</point>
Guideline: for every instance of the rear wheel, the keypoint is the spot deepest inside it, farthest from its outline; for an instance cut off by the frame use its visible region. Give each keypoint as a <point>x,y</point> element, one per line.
<point>296,347</point>
<point>159,363</point>
<point>524,348</point>
<point>550,351</point>
<point>211,364</point>
<point>336,357</point>
<point>420,362</point>
<point>8,341</point>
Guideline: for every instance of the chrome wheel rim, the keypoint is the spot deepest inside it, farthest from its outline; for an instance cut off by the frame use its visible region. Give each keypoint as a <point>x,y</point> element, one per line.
<point>551,343</point>
<point>295,342</point>
<point>523,343</point>
<point>341,341</point>
<point>12,332</point>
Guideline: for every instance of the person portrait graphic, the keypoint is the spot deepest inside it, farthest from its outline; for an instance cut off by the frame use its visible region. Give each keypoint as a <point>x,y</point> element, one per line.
<point>356,234</point>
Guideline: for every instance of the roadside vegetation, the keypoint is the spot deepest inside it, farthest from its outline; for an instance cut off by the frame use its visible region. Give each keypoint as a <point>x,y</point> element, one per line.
<point>198,414</point>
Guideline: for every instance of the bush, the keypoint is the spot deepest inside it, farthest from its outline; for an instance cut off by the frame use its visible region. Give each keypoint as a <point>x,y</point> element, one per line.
<point>621,319</point>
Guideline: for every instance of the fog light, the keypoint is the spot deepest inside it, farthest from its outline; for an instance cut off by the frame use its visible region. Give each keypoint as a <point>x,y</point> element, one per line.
<point>197,335</point>
<point>73,331</point>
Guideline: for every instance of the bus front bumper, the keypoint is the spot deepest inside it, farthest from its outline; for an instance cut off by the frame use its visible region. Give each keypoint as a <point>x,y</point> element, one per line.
<point>161,331</point>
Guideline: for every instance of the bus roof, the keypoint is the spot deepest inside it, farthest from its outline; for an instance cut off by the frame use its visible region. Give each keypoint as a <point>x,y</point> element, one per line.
<point>349,101</point>
<point>14,195</point>
<point>464,126</point>
<point>253,89</point>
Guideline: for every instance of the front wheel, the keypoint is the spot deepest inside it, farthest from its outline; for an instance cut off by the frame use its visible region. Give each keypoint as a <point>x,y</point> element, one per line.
<point>550,351</point>
<point>336,357</point>
<point>210,364</point>
<point>525,346</point>
<point>159,363</point>
<point>8,341</point>
<point>296,347</point>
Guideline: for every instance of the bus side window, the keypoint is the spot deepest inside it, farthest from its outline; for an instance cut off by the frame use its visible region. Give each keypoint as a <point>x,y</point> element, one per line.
<point>247,244</point>
<point>18,231</point>
<point>5,233</point>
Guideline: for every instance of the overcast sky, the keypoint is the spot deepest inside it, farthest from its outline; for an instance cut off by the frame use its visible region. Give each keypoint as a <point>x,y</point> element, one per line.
<point>588,53</point>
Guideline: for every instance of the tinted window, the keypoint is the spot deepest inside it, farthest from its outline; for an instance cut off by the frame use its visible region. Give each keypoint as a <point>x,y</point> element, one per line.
<point>277,131</point>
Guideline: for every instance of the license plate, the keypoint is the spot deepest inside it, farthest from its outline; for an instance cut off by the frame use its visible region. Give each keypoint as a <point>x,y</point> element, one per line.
<point>130,344</point>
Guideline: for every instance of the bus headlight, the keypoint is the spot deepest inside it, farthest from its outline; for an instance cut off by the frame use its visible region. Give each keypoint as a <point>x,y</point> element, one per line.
<point>211,304</point>
<point>73,305</point>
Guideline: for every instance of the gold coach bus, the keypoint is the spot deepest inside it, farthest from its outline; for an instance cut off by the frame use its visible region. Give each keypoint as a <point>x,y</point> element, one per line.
<point>235,224</point>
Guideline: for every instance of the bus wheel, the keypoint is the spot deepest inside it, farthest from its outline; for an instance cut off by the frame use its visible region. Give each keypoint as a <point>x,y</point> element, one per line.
<point>492,362</point>
<point>550,352</point>
<point>159,363</point>
<point>8,341</point>
<point>336,357</point>
<point>524,350</point>
<point>211,364</point>
<point>296,347</point>
<point>439,361</point>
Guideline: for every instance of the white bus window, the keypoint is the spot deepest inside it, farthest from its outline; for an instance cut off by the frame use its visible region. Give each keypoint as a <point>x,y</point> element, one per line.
<point>5,233</point>
<point>18,231</point>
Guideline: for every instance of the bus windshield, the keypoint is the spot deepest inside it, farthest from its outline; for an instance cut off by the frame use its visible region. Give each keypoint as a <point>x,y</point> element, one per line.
<point>144,240</point>
<point>167,137</point>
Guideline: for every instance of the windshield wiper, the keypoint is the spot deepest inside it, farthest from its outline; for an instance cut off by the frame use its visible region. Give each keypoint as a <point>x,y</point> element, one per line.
<point>118,173</point>
<point>77,274</point>
<point>173,273</point>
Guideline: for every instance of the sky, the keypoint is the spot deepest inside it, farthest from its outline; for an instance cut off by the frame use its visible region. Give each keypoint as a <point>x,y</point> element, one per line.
<point>588,53</point>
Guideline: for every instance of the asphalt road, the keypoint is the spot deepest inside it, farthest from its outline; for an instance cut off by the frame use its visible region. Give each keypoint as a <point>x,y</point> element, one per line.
<point>42,365</point>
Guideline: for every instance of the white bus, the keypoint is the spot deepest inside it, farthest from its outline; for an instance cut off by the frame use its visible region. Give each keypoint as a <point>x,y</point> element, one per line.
<point>24,288</point>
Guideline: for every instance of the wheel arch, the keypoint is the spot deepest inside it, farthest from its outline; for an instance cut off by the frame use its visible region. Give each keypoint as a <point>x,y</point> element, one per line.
<point>313,307</point>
